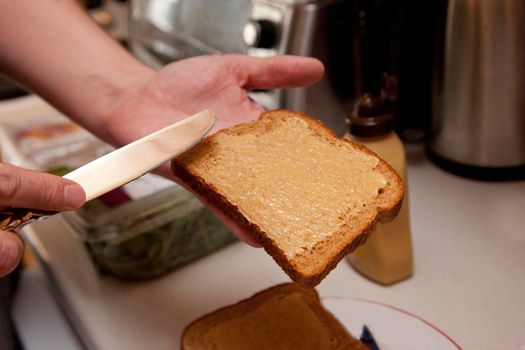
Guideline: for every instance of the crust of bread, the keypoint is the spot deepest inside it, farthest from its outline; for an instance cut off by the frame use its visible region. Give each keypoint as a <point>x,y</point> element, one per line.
<point>192,336</point>
<point>305,269</point>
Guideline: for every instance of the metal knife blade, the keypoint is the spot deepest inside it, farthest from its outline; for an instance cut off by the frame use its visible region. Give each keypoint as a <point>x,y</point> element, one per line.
<point>124,164</point>
<point>137,158</point>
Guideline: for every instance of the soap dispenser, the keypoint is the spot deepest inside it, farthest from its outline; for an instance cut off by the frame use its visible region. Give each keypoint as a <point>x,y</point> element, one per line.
<point>386,257</point>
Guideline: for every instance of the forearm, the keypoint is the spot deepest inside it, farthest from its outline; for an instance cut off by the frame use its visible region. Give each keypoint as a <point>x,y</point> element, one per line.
<point>57,51</point>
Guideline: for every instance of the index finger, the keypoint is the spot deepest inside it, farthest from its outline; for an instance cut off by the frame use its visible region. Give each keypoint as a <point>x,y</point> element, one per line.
<point>279,71</point>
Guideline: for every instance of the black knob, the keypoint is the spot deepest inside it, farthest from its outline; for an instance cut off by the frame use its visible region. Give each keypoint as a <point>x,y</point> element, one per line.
<point>260,33</point>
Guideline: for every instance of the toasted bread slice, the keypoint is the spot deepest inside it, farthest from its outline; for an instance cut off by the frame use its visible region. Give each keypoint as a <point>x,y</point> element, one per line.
<point>283,317</point>
<point>307,196</point>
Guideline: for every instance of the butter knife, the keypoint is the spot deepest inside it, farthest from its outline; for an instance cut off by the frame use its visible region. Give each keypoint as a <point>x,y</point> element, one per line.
<point>123,165</point>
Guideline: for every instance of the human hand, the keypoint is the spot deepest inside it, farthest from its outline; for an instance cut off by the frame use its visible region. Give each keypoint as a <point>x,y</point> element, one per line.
<point>31,189</point>
<point>219,83</point>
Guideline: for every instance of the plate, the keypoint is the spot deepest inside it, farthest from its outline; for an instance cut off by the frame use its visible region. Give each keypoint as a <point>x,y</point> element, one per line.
<point>391,327</point>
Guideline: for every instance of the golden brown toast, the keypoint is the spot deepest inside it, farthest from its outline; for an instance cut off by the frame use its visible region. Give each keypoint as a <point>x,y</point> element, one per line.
<point>283,317</point>
<point>307,196</point>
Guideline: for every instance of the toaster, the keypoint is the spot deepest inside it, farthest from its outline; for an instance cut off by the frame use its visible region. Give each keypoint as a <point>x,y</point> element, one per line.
<point>163,31</point>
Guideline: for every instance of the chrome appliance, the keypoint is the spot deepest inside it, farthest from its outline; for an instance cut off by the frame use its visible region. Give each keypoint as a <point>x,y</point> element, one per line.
<point>162,31</point>
<point>478,127</point>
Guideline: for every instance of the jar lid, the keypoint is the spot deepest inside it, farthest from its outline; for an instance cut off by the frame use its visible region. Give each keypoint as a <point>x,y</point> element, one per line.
<point>372,116</point>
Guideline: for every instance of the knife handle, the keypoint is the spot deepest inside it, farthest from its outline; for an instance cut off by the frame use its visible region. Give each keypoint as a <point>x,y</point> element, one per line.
<point>13,219</point>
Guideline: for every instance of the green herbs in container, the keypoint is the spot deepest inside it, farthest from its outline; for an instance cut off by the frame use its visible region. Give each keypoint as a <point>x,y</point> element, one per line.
<point>149,236</point>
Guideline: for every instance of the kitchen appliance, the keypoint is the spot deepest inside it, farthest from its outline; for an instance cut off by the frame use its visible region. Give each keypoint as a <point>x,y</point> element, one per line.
<point>162,31</point>
<point>478,126</point>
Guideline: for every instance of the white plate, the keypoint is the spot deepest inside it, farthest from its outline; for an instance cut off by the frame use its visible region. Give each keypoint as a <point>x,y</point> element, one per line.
<point>391,327</point>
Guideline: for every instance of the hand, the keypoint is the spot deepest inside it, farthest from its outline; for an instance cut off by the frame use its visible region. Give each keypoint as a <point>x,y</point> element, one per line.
<point>220,83</point>
<point>31,189</point>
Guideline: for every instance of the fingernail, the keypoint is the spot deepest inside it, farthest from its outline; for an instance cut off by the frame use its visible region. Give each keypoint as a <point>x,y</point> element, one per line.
<point>74,196</point>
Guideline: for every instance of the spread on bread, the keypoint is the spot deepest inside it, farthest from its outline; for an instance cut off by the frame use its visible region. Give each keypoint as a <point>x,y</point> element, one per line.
<point>306,195</point>
<point>282,317</point>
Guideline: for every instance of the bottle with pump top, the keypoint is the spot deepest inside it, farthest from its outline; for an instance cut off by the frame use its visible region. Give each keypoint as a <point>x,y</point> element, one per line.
<point>386,257</point>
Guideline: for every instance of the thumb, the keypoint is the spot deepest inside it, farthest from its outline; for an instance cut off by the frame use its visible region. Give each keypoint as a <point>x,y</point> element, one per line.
<point>32,189</point>
<point>11,250</point>
<point>277,71</point>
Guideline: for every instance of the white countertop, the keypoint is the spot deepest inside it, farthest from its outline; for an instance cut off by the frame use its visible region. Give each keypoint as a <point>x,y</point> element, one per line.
<point>469,246</point>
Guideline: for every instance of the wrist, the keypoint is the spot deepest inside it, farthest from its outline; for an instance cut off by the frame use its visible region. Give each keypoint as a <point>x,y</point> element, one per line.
<point>106,90</point>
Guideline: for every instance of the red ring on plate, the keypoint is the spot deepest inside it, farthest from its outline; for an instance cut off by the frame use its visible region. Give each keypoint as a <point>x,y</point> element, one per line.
<point>406,313</point>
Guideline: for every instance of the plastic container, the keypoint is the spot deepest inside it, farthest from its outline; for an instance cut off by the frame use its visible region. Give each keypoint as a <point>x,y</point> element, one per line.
<point>148,237</point>
<point>386,257</point>
<point>140,230</point>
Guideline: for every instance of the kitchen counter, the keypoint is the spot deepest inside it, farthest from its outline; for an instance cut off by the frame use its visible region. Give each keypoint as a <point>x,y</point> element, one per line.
<point>469,281</point>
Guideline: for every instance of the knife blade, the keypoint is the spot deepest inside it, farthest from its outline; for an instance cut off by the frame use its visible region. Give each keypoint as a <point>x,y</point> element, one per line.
<point>137,158</point>
<point>124,164</point>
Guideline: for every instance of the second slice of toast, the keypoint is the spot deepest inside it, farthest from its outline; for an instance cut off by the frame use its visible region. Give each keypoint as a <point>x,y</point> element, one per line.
<point>307,196</point>
<point>282,317</point>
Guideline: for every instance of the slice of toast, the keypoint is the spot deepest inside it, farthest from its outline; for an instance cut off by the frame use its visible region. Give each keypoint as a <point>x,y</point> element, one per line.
<point>307,196</point>
<point>283,317</point>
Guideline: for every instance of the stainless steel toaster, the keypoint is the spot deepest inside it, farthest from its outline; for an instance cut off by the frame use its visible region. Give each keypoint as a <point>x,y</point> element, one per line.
<point>162,31</point>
